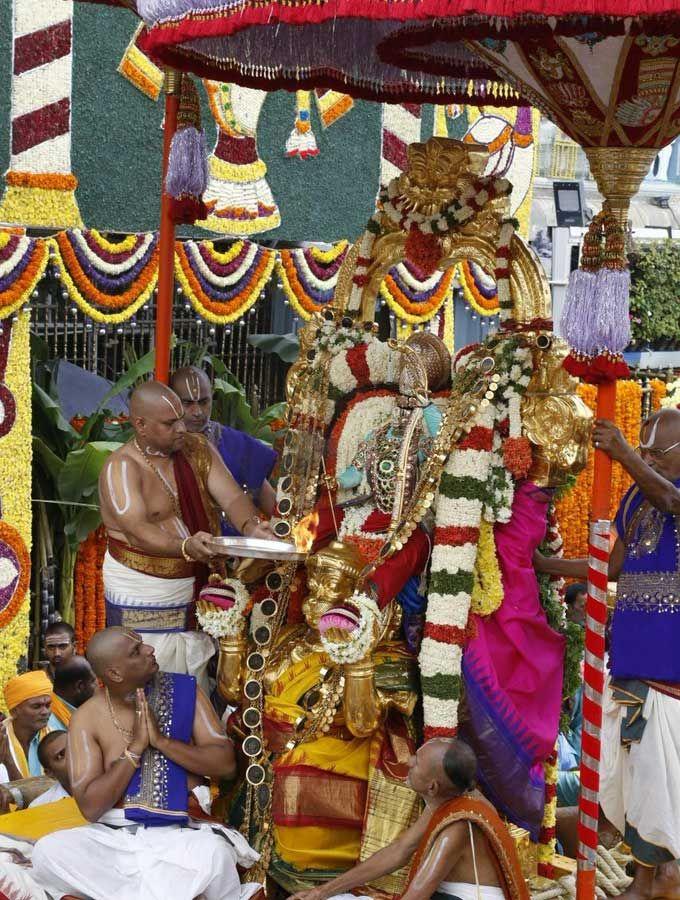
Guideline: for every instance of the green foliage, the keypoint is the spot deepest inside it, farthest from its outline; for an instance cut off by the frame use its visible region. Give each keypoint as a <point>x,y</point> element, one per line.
<point>573,633</point>
<point>655,293</point>
<point>285,346</point>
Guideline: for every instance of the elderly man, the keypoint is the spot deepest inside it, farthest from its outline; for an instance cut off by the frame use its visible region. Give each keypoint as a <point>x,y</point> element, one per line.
<point>136,749</point>
<point>28,698</point>
<point>249,460</point>
<point>160,495</point>
<point>60,645</point>
<point>74,683</point>
<point>640,775</point>
<point>459,847</point>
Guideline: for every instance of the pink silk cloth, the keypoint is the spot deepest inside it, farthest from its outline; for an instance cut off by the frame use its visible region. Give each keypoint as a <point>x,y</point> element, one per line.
<point>513,668</point>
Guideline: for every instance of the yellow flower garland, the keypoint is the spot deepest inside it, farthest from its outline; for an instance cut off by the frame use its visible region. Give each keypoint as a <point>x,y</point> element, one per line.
<point>15,478</point>
<point>487,589</point>
<point>86,308</point>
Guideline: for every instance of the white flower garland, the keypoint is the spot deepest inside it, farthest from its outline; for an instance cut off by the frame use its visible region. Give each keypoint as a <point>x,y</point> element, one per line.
<point>10,264</point>
<point>327,284</point>
<point>218,622</point>
<point>112,268</point>
<point>361,640</point>
<point>224,280</point>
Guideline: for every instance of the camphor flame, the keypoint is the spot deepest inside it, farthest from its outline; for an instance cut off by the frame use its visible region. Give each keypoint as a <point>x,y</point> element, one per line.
<point>304,533</point>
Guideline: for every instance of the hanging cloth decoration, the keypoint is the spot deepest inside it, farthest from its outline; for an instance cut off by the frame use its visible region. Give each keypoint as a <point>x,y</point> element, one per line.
<point>301,141</point>
<point>187,176</point>
<point>596,322</point>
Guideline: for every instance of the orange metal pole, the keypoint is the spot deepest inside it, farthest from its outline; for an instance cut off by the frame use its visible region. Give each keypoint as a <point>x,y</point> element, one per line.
<point>166,249</point>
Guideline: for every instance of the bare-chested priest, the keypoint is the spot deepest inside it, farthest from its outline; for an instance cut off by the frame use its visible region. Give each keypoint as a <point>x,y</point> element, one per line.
<point>136,751</point>
<point>160,499</point>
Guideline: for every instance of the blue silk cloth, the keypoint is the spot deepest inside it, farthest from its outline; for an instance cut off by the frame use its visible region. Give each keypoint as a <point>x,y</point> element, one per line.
<point>250,461</point>
<point>159,790</point>
<point>646,623</point>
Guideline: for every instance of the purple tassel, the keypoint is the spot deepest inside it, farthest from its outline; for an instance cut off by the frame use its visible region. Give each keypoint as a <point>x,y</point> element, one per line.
<point>188,164</point>
<point>612,327</point>
<point>578,316</point>
<point>595,316</point>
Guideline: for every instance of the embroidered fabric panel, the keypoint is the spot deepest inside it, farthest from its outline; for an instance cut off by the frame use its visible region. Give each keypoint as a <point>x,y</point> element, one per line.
<point>149,619</point>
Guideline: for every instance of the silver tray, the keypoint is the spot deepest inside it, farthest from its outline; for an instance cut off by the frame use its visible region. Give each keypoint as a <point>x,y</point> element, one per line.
<point>256,548</point>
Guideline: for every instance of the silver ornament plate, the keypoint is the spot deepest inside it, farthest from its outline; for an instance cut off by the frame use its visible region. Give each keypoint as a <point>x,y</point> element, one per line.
<point>256,548</point>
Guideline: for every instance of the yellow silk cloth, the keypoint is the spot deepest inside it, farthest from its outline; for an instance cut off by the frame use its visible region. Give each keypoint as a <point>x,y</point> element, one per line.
<point>32,824</point>
<point>61,711</point>
<point>18,751</point>
<point>315,846</point>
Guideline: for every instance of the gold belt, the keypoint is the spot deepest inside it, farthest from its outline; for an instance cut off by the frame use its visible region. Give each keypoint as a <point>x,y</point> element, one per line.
<point>148,564</point>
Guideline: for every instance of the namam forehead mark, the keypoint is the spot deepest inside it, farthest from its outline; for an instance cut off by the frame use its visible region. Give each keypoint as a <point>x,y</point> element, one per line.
<point>57,640</point>
<point>192,384</point>
<point>172,403</point>
<point>119,493</point>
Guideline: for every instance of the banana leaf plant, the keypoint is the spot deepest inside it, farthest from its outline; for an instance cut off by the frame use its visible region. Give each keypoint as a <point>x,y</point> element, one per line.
<point>68,457</point>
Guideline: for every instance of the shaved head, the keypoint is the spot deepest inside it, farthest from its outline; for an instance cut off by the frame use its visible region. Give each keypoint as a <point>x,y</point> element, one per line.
<point>156,414</point>
<point>106,647</point>
<point>658,436</point>
<point>151,399</point>
<point>121,659</point>
<point>194,389</point>
<point>443,767</point>
<point>192,380</point>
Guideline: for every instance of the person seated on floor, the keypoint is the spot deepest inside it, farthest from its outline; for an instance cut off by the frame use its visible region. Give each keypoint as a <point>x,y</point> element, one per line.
<point>52,756</point>
<point>28,698</point>
<point>459,847</point>
<point>136,749</point>
<point>60,646</point>
<point>74,683</point>
<point>248,459</point>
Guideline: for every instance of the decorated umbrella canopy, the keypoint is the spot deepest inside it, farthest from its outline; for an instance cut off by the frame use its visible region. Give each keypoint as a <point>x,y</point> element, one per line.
<point>606,71</point>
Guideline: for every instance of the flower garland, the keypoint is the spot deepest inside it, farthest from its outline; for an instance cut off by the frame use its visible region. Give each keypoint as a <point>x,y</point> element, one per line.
<point>573,507</point>
<point>422,243</point>
<point>217,620</point>
<point>479,288</point>
<point>15,478</point>
<point>360,641</point>
<point>108,282</point>
<point>475,486</point>
<point>487,588</point>
<point>547,840</point>
<point>22,264</point>
<point>309,276</point>
<point>222,287</point>
<point>88,588</point>
<point>413,298</point>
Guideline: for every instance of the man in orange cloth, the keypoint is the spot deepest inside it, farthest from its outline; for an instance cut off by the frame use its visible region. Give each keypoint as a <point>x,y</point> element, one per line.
<point>160,498</point>
<point>458,848</point>
<point>28,698</point>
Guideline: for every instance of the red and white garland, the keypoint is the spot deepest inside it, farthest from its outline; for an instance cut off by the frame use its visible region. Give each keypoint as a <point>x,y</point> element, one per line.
<point>475,484</point>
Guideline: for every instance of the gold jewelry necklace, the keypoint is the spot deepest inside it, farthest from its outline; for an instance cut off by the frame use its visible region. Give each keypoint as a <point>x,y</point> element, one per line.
<point>163,480</point>
<point>124,731</point>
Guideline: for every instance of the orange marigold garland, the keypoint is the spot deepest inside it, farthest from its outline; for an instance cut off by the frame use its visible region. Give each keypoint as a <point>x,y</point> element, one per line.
<point>90,611</point>
<point>573,509</point>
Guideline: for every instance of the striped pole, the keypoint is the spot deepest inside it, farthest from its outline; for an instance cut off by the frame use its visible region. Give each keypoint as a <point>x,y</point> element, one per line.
<point>593,670</point>
<point>400,127</point>
<point>40,185</point>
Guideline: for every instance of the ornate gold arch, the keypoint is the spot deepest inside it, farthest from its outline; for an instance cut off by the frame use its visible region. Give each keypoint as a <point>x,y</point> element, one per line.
<point>437,173</point>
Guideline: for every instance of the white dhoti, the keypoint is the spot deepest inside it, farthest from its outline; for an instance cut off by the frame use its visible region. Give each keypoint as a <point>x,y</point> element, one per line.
<point>132,862</point>
<point>640,784</point>
<point>157,608</point>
